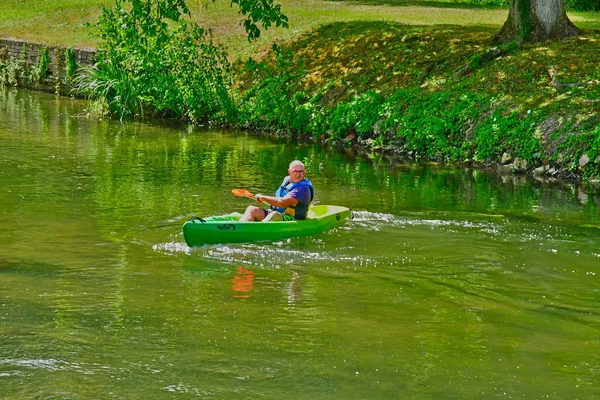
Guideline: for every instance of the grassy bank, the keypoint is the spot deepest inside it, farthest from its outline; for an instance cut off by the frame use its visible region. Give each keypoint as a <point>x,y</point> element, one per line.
<point>428,91</point>
<point>419,80</point>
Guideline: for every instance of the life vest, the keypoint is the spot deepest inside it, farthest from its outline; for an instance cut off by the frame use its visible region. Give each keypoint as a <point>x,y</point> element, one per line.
<point>300,209</point>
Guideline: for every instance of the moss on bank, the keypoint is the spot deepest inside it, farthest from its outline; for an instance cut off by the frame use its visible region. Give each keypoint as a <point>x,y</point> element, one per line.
<point>436,92</point>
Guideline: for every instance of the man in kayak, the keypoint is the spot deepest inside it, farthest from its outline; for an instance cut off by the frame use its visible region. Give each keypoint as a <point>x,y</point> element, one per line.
<point>290,202</point>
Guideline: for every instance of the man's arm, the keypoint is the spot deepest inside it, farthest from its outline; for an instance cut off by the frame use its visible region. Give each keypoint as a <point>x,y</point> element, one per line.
<point>281,202</point>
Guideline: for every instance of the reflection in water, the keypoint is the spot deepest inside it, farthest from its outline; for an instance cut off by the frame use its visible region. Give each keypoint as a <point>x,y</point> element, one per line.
<point>448,283</point>
<point>294,289</point>
<point>242,283</point>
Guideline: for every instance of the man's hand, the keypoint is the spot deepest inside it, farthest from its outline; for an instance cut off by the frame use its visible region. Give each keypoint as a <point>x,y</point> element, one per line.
<point>282,202</point>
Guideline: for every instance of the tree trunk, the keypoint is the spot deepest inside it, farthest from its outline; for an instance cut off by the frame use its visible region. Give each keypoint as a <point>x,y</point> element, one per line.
<point>536,21</point>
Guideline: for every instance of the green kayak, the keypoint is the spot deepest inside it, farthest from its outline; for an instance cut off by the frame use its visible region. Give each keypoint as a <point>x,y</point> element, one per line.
<point>229,228</point>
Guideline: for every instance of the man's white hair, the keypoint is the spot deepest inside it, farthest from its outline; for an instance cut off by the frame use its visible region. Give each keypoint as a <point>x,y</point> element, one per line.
<point>296,162</point>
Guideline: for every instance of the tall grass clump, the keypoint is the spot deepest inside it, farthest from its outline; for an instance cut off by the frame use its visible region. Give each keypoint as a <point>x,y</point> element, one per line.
<point>155,63</point>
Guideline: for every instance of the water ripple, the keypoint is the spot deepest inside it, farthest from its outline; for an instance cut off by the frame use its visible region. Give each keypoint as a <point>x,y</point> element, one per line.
<point>49,364</point>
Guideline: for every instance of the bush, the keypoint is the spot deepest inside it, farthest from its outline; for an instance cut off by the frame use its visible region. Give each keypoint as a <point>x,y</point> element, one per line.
<point>357,116</point>
<point>499,133</point>
<point>274,102</point>
<point>38,72</point>
<point>155,63</point>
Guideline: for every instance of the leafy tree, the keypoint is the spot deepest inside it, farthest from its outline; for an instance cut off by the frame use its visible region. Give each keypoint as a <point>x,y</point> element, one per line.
<point>263,12</point>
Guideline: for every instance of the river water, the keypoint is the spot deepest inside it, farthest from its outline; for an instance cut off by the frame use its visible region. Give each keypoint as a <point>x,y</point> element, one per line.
<point>448,283</point>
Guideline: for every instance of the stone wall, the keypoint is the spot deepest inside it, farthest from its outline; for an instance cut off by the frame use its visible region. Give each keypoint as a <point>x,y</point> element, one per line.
<point>54,80</point>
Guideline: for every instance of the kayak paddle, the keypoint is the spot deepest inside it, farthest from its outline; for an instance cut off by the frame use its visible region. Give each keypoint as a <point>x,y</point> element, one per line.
<point>242,193</point>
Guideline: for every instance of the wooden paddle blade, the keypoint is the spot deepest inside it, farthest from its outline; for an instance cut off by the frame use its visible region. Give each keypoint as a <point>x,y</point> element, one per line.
<point>242,192</point>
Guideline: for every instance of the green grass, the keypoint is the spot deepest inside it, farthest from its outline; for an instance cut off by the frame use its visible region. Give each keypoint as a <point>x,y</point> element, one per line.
<point>64,22</point>
<point>61,22</point>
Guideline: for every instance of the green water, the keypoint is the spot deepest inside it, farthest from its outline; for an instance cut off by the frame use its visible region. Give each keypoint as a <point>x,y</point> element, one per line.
<point>448,284</point>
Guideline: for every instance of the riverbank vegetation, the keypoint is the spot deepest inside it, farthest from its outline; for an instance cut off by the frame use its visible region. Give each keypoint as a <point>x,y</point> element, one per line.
<point>431,93</point>
<point>404,84</point>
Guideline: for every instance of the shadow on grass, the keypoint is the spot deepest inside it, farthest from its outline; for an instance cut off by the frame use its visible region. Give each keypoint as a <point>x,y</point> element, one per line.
<point>384,56</point>
<point>436,4</point>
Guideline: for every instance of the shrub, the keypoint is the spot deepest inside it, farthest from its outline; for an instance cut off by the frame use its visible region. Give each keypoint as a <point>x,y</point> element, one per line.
<point>38,72</point>
<point>274,102</point>
<point>499,133</point>
<point>155,63</point>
